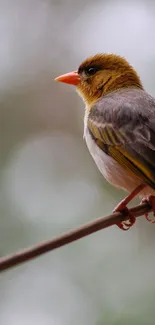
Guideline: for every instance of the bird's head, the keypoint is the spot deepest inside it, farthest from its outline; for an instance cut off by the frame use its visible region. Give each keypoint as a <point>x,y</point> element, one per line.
<point>101,74</point>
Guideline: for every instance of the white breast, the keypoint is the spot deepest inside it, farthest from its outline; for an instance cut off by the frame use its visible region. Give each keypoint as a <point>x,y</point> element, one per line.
<point>110,169</point>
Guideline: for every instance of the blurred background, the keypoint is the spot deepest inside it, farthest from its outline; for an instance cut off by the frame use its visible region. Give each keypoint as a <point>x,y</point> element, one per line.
<point>48,180</point>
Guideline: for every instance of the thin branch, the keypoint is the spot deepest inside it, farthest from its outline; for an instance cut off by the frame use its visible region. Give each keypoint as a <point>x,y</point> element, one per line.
<point>71,236</point>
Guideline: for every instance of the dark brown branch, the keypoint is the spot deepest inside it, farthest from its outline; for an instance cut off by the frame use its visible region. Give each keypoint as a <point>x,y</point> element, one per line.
<point>98,224</point>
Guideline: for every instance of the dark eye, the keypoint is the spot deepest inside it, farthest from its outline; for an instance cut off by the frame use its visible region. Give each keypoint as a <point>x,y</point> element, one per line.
<point>91,70</point>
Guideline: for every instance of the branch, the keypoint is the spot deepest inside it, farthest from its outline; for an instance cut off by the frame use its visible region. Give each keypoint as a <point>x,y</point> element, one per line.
<point>71,236</point>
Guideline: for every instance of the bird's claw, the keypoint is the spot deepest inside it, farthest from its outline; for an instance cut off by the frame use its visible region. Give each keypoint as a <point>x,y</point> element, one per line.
<point>125,225</point>
<point>150,200</point>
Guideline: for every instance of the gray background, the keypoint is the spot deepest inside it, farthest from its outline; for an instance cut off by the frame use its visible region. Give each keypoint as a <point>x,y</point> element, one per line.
<point>48,180</point>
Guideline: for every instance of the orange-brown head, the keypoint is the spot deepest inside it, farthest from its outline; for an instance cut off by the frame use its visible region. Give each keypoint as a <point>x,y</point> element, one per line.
<point>101,74</point>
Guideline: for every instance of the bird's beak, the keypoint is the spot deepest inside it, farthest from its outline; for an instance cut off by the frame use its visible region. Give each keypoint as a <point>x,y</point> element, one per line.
<point>71,78</point>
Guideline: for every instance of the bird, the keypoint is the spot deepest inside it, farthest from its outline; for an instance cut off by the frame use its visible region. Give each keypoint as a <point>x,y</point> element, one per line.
<point>119,126</point>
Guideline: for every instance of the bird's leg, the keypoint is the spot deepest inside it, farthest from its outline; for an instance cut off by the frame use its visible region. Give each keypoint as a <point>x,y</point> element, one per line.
<point>122,207</point>
<point>151,201</point>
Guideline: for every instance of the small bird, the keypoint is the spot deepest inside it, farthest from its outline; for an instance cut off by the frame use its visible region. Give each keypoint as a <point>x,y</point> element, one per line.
<point>119,126</point>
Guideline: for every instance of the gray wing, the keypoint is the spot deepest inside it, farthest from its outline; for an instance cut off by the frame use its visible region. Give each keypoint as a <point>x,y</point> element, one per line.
<point>123,125</point>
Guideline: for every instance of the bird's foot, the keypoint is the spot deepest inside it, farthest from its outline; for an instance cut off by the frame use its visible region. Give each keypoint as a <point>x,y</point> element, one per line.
<point>122,207</point>
<point>125,225</point>
<point>150,200</point>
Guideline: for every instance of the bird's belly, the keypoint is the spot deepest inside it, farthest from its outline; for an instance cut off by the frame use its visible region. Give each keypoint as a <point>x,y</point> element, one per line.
<point>111,170</point>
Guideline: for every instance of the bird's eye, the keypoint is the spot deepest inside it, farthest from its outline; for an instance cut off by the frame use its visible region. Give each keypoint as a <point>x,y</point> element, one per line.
<point>91,70</point>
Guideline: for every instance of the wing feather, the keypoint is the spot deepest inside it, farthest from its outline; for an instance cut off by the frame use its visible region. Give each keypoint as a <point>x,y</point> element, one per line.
<point>126,133</point>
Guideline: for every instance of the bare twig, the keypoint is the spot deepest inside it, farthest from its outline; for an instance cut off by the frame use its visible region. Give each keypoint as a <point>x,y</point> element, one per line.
<point>87,229</point>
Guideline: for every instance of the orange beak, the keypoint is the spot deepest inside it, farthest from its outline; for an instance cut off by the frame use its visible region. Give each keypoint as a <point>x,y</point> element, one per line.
<point>71,78</point>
